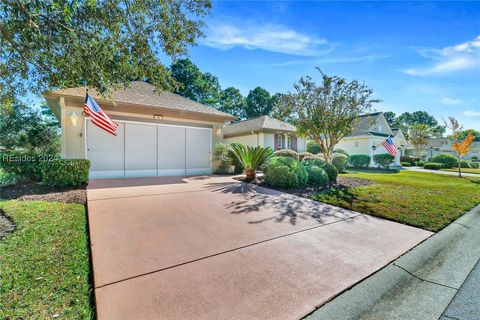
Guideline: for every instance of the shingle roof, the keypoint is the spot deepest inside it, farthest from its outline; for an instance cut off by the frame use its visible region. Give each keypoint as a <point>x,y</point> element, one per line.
<point>257,124</point>
<point>364,124</point>
<point>144,94</point>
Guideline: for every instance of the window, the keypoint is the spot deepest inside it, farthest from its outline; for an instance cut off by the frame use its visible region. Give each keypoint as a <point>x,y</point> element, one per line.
<point>289,142</point>
<point>280,141</point>
<point>356,144</point>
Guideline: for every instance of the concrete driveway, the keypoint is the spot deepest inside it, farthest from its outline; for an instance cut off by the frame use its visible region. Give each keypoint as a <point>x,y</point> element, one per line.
<point>214,248</point>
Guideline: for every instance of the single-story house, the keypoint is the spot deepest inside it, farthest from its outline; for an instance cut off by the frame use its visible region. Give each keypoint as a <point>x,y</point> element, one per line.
<point>159,133</point>
<point>264,131</point>
<point>436,146</point>
<point>369,132</point>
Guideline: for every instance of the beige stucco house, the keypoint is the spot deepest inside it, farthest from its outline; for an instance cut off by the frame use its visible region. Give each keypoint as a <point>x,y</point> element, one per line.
<point>369,132</point>
<point>264,131</point>
<point>436,146</point>
<point>158,133</point>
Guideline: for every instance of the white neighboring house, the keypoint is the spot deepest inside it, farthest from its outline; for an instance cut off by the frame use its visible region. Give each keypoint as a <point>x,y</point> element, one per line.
<point>264,131</point>
<point>436,146</point>
<point>368,134</point>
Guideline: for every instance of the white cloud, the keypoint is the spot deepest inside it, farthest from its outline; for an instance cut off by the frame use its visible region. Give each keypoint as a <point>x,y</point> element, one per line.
<point>472,113</point>
<point>266,37</point>
<point>450,101</point>
<point>463,56</point>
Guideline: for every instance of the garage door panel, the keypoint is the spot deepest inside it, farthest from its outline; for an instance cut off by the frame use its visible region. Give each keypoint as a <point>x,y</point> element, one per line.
<point>198,143</point>
<point>105,152</point>
<point>140,150</point>
<point>171,151</point>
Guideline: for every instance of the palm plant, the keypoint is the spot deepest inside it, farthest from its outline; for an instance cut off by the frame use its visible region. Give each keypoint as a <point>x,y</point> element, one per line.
<point>251,158</point>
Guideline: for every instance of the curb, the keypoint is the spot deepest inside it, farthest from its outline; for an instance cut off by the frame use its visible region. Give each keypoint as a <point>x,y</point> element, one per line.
<point>418,285</point>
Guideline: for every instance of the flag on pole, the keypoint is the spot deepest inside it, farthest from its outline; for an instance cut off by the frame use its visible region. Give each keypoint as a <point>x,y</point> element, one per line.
<point>390,146</point>
<point>98,117</point>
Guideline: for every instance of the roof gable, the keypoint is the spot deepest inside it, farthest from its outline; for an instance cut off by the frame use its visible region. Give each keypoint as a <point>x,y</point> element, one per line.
<point>257,124</point>
<point>144,94</point>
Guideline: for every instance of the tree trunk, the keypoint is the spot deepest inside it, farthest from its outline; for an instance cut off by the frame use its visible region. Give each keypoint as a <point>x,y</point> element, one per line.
<point>459,168</point>
<point>251,174</point>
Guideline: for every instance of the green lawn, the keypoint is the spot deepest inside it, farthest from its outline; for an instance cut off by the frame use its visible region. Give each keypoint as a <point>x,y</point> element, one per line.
<point>44,263</point>
<point>464,170</point>
<point>425,200</point>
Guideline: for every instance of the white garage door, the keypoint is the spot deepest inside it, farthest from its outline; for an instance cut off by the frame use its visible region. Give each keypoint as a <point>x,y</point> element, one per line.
<point>142,149</point>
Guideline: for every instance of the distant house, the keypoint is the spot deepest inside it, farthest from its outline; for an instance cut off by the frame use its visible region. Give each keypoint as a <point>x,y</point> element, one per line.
<point>369,132</point>
<point>436,146</point>
<point>264,131</point>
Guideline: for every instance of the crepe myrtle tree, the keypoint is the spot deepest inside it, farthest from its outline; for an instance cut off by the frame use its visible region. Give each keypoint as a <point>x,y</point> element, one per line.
<point>100,44</point>
<point>325,113</point>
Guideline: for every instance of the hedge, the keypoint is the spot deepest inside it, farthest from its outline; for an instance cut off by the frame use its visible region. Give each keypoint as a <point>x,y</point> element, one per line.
<point>66,172</point>
<point>359,160</point>
<point>285,172</point>
<point>420,163</point>
<point>406,164</point>
<point>433,166</point>
<point>317,176</point>
<point>302,155</point>
<point>340,161</point>
<point>286,153</point>
<point>331,171</point>
<point>384,160</point>
<point>313,147</point>
<point>24,165</point>
<point>448,160</point>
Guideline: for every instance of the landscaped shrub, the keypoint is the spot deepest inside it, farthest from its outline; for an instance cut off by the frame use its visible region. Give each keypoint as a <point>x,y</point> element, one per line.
<point>340,161</point>
<point>410,159</point>
<point>66,172</point>
<point>302,155</point>
<point>448,160</point>
<point>7,178</point>
<point>383,160</point>
<point>420,163</point>
<point>340,151</point>
<point>251,158</point>
<point>26,166</point>
<point>474,165</point>
<point>359,160</point>
<point>474,158</point>
<point>221,156</point>
<point>286,153</point>
<point>317,176</point>
<point>285,172</point>
<point>314,157</point>
<point>313,147</point>
<point>433,166</point>
<point>405,164</point>
<point>464,164</point>
<point>330,169</point>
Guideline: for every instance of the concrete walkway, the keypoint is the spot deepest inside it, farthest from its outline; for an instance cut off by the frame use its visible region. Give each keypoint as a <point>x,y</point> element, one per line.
<point>214,248</point>
<point>419,169</point>
<point>435,279</point>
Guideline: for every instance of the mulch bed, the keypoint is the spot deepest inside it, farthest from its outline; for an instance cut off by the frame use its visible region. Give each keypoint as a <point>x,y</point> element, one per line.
<point>308,192</point>
<point>33,191</point>
<point>6,226</point>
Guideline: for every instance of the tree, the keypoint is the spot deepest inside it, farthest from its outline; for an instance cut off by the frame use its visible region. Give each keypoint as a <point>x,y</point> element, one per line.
<point>233,102</point>
<point>29,130</point>
<point>461,147</point>
<point>463,134</point>
<point>326,113</point>
<point>59,43</point>
<point>195,85</point>
<point>259,103</point>
<point>418,136</point>
<point>391,118</point>
<point>406,119</point>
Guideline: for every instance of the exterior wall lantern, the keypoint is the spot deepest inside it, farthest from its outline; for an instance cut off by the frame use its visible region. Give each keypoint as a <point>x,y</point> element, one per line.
<point>73,119</point>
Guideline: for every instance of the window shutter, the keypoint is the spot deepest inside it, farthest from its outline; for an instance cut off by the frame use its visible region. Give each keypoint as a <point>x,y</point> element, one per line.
<point>275,143</point>
<point>294,142</point>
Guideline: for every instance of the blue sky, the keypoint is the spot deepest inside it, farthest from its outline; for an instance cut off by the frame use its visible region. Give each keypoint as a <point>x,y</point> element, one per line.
<point>414,55</point>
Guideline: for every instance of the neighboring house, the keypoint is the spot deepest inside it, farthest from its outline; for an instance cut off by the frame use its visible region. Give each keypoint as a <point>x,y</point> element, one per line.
<point>158,133</point>
<point>436,146</point>
<point>264,131</point>
<point>369,132</point>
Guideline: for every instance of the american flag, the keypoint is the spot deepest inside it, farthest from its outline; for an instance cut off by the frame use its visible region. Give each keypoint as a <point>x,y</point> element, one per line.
<point>390,146</point>
<point>98,117</point>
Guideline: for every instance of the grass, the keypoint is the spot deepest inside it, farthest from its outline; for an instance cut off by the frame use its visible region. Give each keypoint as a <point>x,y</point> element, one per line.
<point>45,269</point>
<point>464,170</point>
<point>425,200</point>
